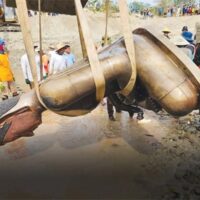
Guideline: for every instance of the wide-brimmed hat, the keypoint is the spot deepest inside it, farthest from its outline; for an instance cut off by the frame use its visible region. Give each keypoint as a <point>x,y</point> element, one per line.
<point>166,30</point>
<point>188,36</point>
<point>61,46</point>
<point>178,40</point>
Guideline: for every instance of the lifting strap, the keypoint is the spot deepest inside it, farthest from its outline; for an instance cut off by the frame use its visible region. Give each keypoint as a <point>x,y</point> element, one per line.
<point>129,43</point>
<point>91,52</point>
<point>22,13</point>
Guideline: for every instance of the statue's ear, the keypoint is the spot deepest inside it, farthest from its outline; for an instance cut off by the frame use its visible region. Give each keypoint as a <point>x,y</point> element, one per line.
<point>20,124</point>
<point>3,130</point>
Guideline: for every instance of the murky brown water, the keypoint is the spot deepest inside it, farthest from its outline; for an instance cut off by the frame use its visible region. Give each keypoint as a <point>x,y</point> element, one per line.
<point>91,157</point>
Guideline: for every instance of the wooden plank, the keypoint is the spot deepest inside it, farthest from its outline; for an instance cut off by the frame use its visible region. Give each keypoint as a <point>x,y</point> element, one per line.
<point>56,6</point>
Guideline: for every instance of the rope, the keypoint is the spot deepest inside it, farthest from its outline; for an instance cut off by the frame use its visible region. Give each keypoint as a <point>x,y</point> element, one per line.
<point>91,52</point>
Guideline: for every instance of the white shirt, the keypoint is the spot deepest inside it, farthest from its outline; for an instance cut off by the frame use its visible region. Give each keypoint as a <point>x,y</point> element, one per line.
<point>57,63</point>
<point>27,69</point>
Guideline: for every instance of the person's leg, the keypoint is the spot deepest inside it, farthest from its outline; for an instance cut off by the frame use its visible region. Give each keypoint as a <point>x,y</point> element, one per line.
<point>110,110</point>
<point>12,87</point>
<point>4,90</point>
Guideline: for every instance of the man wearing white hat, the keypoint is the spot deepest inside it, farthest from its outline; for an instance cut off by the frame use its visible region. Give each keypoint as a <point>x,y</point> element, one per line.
<point>26,69</point>
<point>58,61</point>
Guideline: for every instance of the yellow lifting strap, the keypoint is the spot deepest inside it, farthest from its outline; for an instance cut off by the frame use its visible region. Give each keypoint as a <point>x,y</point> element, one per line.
<point>22,13</point>
<point>91,52</point>
<point>128,38</point>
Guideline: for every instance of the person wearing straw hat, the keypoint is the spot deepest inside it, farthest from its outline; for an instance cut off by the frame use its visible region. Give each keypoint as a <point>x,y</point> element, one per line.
<point>166,32</point>
<point>197,46</point>
<point>58,62</point>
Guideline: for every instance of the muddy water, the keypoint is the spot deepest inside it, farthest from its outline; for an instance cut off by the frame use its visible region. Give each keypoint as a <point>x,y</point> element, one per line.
<point>90,157</point>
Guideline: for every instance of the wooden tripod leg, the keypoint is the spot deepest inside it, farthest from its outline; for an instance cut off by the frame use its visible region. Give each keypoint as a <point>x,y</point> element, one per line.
<point>84,51</point>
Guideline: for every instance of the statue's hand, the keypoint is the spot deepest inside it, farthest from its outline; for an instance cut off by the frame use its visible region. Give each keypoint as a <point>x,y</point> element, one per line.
<point>20,124</point>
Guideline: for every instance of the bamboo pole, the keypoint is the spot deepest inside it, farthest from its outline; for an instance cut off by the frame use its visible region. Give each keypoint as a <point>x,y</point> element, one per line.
<point>84,51</point>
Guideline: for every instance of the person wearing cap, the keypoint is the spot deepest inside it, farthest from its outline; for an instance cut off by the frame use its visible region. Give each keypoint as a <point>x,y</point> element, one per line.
<point>26,69</point>
<point>166,32</point>
<point>197,46</point>
<point>6,75</point>
<point>70,58</point>
<point>58,61</point>
<point>187,34</point>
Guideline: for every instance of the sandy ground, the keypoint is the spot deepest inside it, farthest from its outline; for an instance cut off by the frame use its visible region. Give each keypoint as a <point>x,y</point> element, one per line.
<point>90,157</point>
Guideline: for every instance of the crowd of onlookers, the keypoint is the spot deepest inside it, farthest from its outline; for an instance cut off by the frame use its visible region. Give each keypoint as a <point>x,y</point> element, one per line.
<point>179,10</point>
<point>146,13</point>
<point>57,59</point>
<point>32,13</point>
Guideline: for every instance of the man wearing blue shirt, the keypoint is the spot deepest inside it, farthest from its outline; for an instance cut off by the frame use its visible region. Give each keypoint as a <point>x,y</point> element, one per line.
<point>70,58</point>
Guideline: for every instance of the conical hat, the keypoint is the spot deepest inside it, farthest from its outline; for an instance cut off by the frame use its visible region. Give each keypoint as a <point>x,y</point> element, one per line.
<point>166,30</point>
<point>178,40</point>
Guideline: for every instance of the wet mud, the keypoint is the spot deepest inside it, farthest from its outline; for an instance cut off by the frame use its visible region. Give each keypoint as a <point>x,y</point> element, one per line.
<point>92,157</point>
